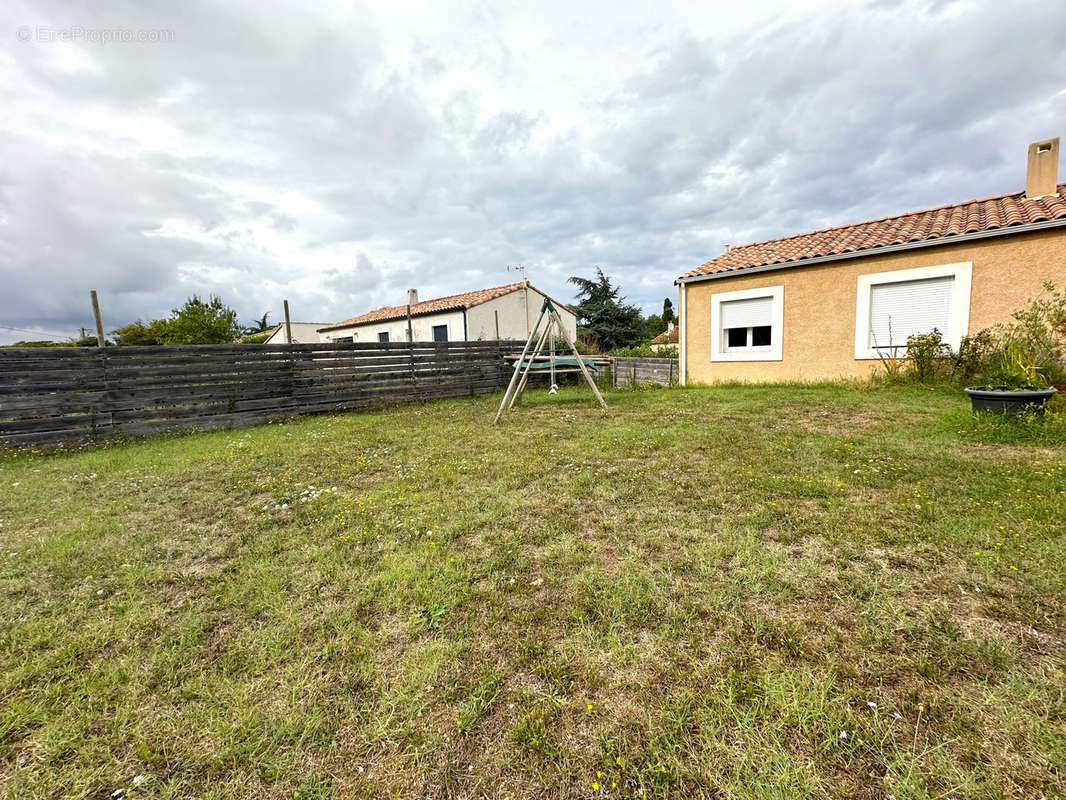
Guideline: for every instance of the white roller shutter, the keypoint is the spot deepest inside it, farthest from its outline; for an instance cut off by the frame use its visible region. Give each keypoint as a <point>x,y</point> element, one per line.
<point>909,308</point>
<point>747,313</point>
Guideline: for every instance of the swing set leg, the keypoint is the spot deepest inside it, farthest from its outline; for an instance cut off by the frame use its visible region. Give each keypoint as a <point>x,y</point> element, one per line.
<point>518,366</point>
<point>521,371</point>
<point>525,373</point>
<point>580,362</point>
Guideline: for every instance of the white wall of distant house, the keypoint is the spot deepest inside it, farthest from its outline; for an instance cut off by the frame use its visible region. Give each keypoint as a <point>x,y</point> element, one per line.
<point>515,321</point>
<point>302,333</point>
<point>397,329</point>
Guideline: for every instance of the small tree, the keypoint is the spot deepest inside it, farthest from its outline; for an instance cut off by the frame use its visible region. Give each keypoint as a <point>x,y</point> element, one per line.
<point>139,334</point>
<point>259,326</point>
<point>668,312</point>
<point>200,322</point>
<point>653,326</point>
<point>603,315</point>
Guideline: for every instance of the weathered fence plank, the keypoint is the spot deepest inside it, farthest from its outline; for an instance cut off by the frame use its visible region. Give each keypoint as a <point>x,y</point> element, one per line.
<point>48,396</point>
<point>634,372</point>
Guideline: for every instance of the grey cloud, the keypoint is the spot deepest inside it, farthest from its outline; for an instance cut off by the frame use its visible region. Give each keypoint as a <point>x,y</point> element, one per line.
<point>301,163</point>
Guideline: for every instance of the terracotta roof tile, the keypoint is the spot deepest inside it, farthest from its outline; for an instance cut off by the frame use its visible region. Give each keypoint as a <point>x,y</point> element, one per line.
<point>453,302</point>
<point>667,337</point>
<point>973,216</point>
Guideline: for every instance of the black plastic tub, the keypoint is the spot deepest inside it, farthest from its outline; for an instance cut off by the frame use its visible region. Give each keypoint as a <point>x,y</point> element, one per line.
<point>1009,401</point>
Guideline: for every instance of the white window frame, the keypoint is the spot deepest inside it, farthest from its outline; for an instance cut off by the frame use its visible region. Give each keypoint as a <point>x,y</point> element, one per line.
<point>387,331</point>
<point>719,350</point>
<point>959,310</point>
<point>448,327</point>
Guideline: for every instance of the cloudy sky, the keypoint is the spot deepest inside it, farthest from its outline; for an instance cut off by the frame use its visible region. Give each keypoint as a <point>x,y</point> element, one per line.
<point>336,158</point>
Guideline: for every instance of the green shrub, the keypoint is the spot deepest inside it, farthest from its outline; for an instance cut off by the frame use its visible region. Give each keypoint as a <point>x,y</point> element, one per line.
<point>926,360</point>
<point>1029,351</point>
<point>974,358</point>
<point>925,355</point>
<point>645,351</point>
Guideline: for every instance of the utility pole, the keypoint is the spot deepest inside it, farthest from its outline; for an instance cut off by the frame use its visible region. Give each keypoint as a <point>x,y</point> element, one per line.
<point>288,325</point>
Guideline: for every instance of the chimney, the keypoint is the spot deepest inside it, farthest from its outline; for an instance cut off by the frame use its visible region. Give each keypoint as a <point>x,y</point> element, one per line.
<point>412,297</point>
<point>1042,174</point>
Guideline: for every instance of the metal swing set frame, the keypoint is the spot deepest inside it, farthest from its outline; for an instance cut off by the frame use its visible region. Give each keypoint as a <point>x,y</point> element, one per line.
<point>553,326</point>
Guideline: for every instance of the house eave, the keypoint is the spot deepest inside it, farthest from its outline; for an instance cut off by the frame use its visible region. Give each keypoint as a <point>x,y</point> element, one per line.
<point>876,251</point>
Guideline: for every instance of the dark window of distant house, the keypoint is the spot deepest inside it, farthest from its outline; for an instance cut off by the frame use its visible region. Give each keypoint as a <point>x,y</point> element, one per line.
<point>760,336</point>
<point>383,336</point>
<point>737,337</point>
<point>343,340</point>
<point>440,333</point>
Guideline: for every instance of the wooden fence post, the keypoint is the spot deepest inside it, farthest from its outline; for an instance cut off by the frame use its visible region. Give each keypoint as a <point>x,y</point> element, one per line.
<point>99,324</point>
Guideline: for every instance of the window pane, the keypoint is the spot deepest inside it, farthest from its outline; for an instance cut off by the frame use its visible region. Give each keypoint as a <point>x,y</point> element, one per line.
<point>383,336</point>
<point>760,336</point>
<point>440,333</point>
<point>736,337</point>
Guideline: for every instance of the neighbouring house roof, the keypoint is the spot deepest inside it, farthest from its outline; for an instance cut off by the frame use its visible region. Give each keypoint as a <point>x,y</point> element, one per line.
<point>667,337</point>
<point>996,214</point>
<point>455,302</point>
<point>268,332</point>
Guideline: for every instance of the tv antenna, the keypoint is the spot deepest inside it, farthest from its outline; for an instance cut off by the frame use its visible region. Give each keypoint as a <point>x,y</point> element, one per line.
<point>520,269</point>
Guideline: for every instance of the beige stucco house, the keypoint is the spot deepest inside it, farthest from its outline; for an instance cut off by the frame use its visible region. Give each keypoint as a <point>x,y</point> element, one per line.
<point>502,312</point>
<point>824,305</point>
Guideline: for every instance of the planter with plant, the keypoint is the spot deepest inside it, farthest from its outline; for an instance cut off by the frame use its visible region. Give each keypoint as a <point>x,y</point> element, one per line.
<point>1018,364</point>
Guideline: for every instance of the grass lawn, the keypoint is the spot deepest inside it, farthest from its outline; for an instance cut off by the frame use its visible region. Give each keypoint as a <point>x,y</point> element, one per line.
<point>774,592</point>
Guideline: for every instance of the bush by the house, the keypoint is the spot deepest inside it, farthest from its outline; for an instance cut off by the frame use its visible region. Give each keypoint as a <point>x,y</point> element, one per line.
<point>1029,351</point>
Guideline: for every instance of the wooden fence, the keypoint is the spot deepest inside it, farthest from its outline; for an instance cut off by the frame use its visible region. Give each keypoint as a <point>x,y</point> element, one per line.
<point>633,372</point>
<point>52,395</point>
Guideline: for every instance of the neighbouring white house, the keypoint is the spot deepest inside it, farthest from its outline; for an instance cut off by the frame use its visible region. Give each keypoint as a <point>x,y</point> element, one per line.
<point>503,312</point>
<point>302,333</point>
